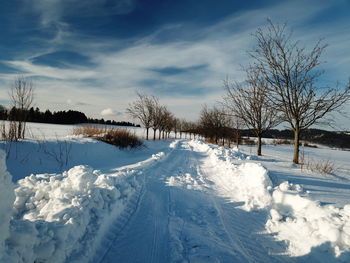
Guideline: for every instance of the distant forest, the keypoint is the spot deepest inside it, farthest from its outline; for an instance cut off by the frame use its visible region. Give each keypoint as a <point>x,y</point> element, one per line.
<point>330,138</point>
<point>57,117</point>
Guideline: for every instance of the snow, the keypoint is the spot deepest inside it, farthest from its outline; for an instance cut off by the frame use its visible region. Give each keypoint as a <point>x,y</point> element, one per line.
<point>7,198</point>
<point>73,199</point>
<point>305,224</point>
<point>247,182</point>
<point>65,212</point>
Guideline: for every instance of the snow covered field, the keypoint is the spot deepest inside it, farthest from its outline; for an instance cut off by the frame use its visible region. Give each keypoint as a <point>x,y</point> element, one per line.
<point>73,199</point>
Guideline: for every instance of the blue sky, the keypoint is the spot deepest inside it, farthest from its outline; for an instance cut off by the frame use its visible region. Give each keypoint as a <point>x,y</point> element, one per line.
<point>94,55</point>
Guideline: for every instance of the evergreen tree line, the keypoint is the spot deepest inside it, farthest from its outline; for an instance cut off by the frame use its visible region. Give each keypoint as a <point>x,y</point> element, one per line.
<point>56,117</point>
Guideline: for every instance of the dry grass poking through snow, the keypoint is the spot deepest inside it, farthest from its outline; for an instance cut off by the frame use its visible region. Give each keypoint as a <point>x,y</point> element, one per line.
<point>89,130</point>
<point>121,138</point>
<point>323,166</point>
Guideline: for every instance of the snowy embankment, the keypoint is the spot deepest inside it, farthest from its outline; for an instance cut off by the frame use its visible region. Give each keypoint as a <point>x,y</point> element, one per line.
<point>7,198</point>
<point>302,223</point>
<point>246,182</point>
<point>62,217</point>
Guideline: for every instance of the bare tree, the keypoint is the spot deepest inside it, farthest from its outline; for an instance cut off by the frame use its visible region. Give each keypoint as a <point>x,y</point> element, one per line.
<point>142,109</point>
<point>181,126</point>
<point>291,73</point>
<point>156,116</point>
<point>176,126</point>
<point>165,121</point>
<point>249,102</point>
<point>213,123</point>
<point>169,123</point>
<point>237,124</point>
<point>22,96</point>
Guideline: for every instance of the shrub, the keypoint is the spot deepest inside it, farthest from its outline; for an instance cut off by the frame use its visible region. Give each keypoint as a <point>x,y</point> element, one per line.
<point>326,167</point>
<point>121,138</point>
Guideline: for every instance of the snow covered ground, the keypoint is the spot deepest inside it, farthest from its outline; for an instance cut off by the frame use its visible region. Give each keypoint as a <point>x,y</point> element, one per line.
<point>79,200</point>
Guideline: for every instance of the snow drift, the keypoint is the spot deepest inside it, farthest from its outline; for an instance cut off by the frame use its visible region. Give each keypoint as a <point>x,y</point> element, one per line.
<point>60,216</point>
<point>7,198</point>
<point>304,223</point>
<point>247,182</point>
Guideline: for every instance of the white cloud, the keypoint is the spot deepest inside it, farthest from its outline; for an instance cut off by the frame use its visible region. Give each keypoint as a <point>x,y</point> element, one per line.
<point>107,112</point>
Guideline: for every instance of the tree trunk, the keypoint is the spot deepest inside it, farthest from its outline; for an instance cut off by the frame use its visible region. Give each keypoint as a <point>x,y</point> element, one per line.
<point>154,134</point>
<point>147,129</point>
<point>19,131</point>
<point>296,145</point>
<point>259,145</point>
<point>159,134</point>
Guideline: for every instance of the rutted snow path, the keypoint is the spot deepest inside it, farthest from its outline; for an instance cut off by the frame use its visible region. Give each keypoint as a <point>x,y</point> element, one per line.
<point>181,215</point>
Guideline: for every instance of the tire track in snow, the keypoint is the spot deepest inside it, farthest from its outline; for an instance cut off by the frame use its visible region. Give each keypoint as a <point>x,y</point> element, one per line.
<point>145,236</point>
<point>118,226</point>
<point>234,240</point>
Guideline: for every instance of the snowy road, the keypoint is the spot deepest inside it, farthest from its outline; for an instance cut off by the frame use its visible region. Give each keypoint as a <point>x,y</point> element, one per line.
<point>180,217</point>
<point>172,201</point>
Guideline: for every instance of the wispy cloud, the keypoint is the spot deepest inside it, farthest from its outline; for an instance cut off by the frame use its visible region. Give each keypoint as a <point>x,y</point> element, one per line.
<point>50,72</point>
<point>53,11</point>
<point>185,69</point>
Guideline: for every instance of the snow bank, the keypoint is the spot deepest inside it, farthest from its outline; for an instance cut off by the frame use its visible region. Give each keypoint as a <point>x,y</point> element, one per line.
<point>7,198</point>
<point>60,216</point>
<point>304,223</point>
<point>219,151</point>
<point>247,182</point>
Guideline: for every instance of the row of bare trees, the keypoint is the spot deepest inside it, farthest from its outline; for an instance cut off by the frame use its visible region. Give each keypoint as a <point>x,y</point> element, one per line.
<point>281,86</point>
<point>155,116</point>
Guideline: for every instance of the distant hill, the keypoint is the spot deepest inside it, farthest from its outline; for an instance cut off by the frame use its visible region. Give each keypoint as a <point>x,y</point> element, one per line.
<point>329,138</point>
